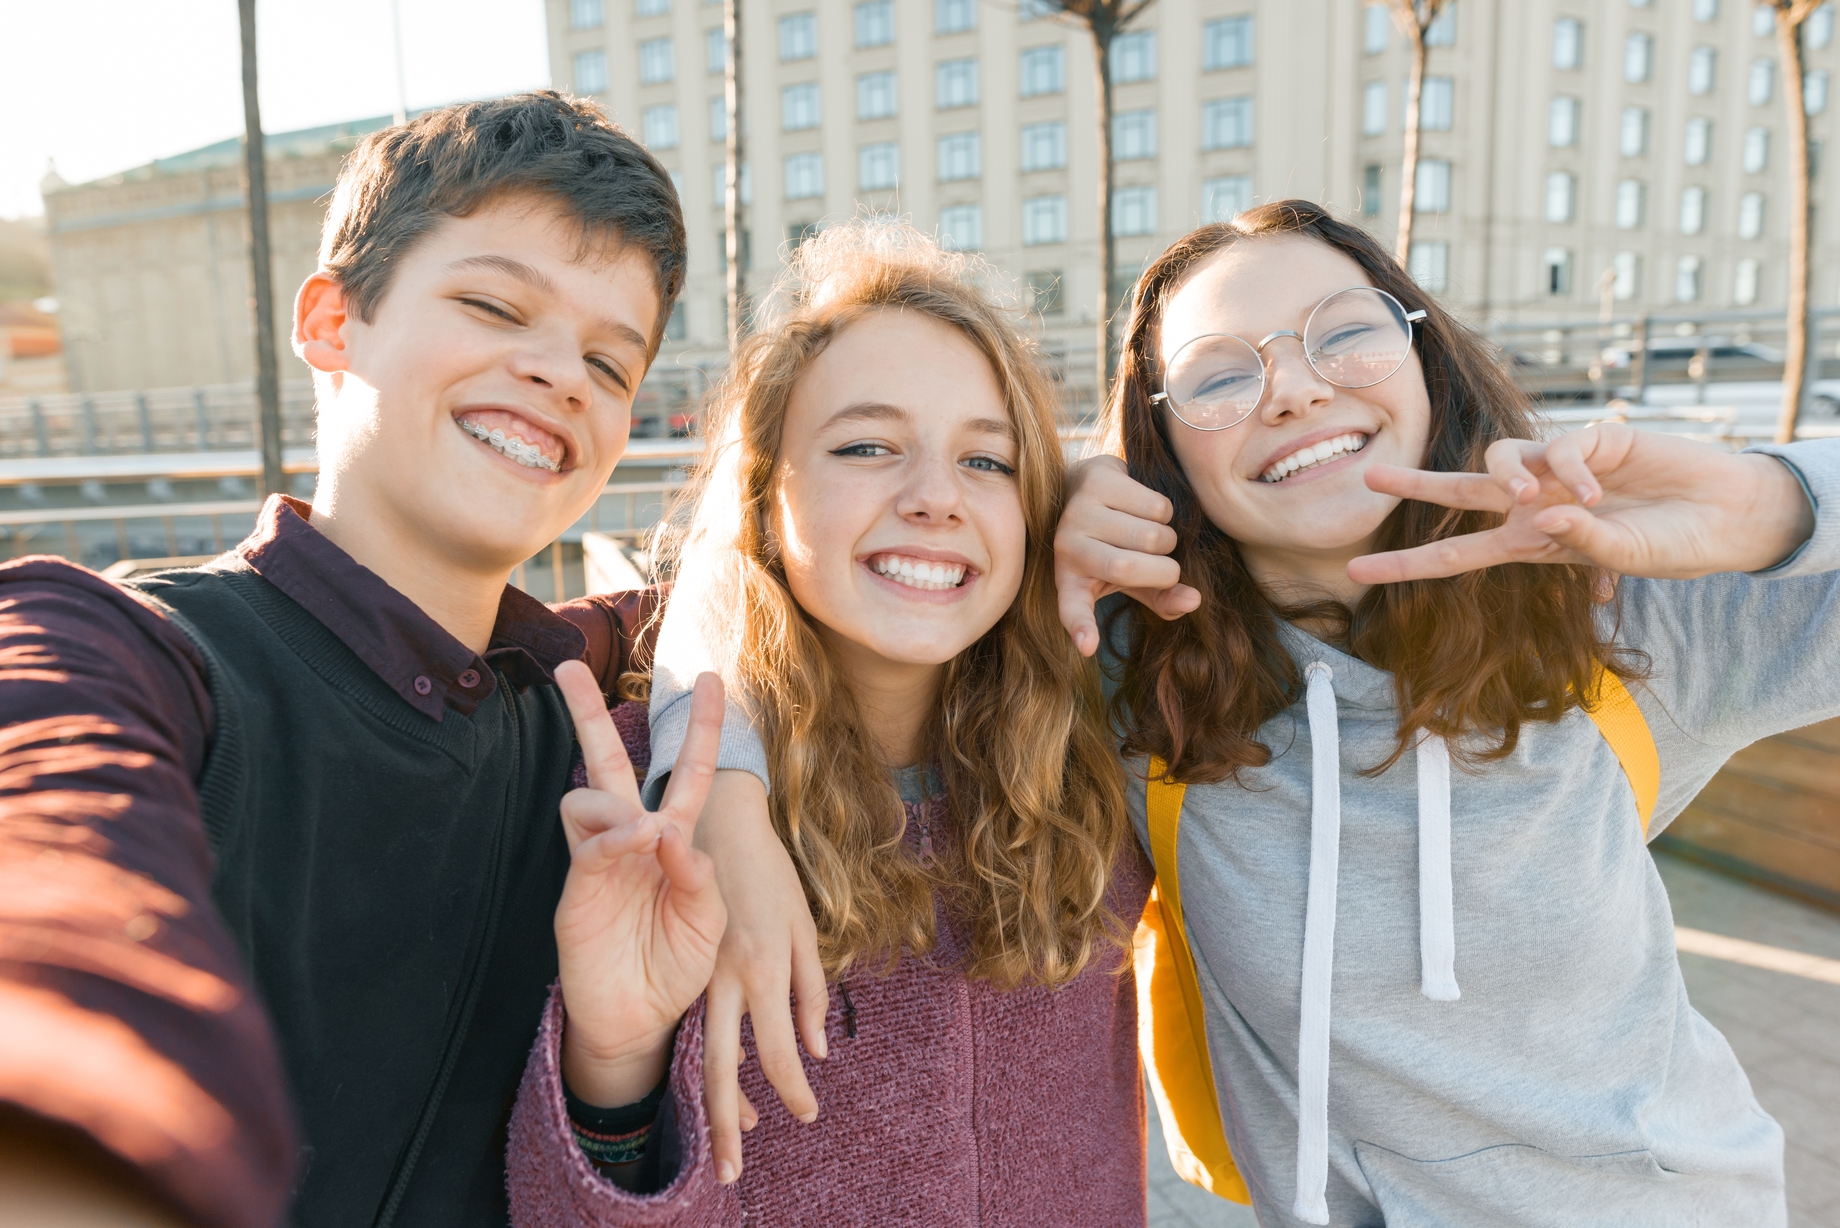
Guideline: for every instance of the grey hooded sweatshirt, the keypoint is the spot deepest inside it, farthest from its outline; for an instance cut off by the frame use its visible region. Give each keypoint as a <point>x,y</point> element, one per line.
<point>1467,980</point>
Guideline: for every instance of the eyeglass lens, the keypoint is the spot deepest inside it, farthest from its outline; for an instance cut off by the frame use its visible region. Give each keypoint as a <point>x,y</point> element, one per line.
<point>1354,339</point>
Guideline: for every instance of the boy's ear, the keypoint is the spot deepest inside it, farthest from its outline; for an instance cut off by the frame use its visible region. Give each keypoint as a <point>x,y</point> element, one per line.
<point>319,324</point>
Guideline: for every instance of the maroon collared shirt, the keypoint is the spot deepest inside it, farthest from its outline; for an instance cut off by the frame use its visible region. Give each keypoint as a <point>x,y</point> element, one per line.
<point>124,1006</point>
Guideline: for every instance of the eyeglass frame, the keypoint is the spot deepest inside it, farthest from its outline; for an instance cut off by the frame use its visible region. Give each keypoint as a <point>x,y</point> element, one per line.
<point>1410,318</point>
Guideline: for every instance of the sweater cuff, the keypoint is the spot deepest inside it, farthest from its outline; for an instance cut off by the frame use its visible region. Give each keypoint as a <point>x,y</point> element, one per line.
<point>1816,466</point>
<point>741,750</point>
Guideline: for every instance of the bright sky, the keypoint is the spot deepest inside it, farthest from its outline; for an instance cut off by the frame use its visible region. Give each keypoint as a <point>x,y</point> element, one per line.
<point>104,85</point>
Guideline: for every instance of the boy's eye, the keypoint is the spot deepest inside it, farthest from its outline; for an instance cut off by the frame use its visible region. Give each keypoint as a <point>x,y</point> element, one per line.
<point>990,464</point>
<point>863,449</point>
<point>490,309</point>
<point>610,371</point>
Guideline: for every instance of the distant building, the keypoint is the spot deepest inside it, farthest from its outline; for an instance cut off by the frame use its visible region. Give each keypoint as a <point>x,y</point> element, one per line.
<point>152,265</point>
<point>31,352</point>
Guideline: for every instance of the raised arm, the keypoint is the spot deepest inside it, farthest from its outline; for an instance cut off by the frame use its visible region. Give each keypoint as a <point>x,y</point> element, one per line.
<point>1114,537</point>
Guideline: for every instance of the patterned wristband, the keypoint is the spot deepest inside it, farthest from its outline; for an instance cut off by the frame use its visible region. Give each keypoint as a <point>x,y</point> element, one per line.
<point>612,1148</point>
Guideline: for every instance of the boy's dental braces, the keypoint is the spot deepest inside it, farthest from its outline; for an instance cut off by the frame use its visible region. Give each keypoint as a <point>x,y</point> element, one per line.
<point>918,573</point>
<point>528,455</point>
<point>1316,454</point>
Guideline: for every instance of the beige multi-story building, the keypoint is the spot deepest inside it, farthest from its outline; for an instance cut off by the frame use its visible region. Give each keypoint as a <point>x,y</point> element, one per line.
<point>1568,145</point>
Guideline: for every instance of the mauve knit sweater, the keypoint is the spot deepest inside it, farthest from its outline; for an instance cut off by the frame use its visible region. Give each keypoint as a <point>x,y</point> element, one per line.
<point>953,1104</point>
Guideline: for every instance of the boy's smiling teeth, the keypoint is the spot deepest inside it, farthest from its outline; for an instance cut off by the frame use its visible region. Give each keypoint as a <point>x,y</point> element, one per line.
<point>918,573</point>
<point>1315,454</point>
<point>506,434</point>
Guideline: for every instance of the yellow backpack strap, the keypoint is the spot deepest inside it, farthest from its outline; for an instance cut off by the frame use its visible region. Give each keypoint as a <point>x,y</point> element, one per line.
<point>1626,730</point>
<point>1171,1026</point>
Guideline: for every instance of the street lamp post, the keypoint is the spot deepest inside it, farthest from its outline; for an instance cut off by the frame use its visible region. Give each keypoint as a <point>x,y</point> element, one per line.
<point>268,380</point>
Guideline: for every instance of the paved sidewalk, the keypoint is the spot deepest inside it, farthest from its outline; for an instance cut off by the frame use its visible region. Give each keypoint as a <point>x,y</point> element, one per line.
<point>1785,1029</point>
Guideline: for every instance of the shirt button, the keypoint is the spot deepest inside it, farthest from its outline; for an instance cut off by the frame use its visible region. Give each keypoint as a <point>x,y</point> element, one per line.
<point>469,678</point>
<point>422,685</point>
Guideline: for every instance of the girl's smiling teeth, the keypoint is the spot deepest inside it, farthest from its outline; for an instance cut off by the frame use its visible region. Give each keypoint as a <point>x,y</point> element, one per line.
<point>918,573</point>
<point>1315,454</point>
<point>511,436</point>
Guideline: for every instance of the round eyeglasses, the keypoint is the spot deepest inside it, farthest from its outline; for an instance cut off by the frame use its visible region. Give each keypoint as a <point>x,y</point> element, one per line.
<point>1354,339</point>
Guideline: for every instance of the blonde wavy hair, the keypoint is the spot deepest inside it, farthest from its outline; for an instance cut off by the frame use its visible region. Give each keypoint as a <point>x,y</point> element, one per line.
<point>1029,770</point>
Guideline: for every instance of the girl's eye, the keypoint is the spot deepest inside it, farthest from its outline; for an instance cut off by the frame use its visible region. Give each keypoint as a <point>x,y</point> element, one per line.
<point>990,464</point>
<point>863,449</point>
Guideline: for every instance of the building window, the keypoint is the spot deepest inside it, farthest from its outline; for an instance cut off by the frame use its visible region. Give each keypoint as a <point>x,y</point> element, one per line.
<point>1568,43</point>
<point>1556,271</point>
<point>1035,10</point>
<point>798,232</point>
<point>1442,32</point>
<point>675,328</point>
<point>1044,146</point>
<point>1705,10</point>
<point>875,23</point>
<point>798,36</point>
<point>1692,210</point>
<point>1134,56</point>
<point>1562,122</point>
<point>1750,215</point>
<point>1044,220</point>
<point>961,228</point>
<point>656,63</point>
<point>1226,123</point>
<point>1632,132</point>
<point>715,50</point>
<point>1437,104</point>
<point>1561,196</point>
<point>1763,21</point>
<point>804,176</point>
<point>591,71</point>
<point>1626,275</point>
<point>1431,186</point>
<point>718,118</point>
<point>1134,135</point>
<point>1370,190</point>
<point>1225,197</point>
<point>1429,264</point>
<point>1373,108</point>
<point>875,95</point>
<point>798,107</point>
<point>1044,70</point>
<point>718,175</point>
<point>1756,150</point>
<point>1814,92</point>
<point>1638,57</point>
<point>585,14</point>
<point>1686,279</point>
<point>747,259</point>
<point>960,157</point>
<point>1762,83</point>
<point>1631,204</point>
<point>1377,28</point>
<point>658,125</point>
<point>878,167</point>
<point>1134,211</point>
<point>1744,285</point>
<point>954,16</point>
<point>1226,43</point>
<point>955,83</point>
<point>1699,141</point>
<point>1701,66</point>
<point>1819,30</point>
<point>1045,296</point>
<point>652,8</point>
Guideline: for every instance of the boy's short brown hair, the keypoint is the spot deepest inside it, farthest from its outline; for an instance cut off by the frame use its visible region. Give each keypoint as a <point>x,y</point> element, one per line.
<point>400,182</point>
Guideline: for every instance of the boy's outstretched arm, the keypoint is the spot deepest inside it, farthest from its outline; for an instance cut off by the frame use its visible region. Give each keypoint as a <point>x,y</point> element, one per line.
<point>123,1003</point>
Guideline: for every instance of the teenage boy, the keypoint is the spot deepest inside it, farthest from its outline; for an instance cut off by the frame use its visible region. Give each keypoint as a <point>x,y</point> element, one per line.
<point>351,713</point>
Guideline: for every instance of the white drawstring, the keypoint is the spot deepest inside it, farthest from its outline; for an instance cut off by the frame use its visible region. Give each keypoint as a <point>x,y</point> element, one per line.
<point>1312,1205</point>
<point>1437,937</point>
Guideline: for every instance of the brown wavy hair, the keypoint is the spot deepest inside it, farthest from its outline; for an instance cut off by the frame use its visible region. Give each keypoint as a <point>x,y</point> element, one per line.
<point>1473,656</point>
<point>1018,730</point>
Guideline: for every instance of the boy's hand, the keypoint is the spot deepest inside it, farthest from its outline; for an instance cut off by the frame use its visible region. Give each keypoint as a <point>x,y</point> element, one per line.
<point>769,955</point>
<point>640,916</point>
<point>1632,502</point>
<point>1114,537</point>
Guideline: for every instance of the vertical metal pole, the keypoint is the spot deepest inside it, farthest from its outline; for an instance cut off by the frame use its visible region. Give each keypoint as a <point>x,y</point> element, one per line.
<point>733,216</point>
<point>146,416</point>
<point>1642,331</point>
<point>268,380</point>
<point>402,91</point>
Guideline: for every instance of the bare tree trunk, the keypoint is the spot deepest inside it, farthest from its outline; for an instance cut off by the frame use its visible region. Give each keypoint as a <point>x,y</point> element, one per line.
<point>733,216</point>
<point>1408,163</point>
<point>1795,352</point>
<point>268,379</point>
<point>1103,32</point>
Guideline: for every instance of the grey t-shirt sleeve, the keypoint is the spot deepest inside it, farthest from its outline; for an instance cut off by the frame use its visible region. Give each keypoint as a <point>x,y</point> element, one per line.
<point>1735,658</point>
<point>680,657</point>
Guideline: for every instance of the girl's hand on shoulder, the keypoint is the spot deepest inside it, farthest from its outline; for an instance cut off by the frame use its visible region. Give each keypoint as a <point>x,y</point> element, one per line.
<point>767,962</point>
<point>1114,537</point>
<point>1633,502</point>
<point>640,916</point>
